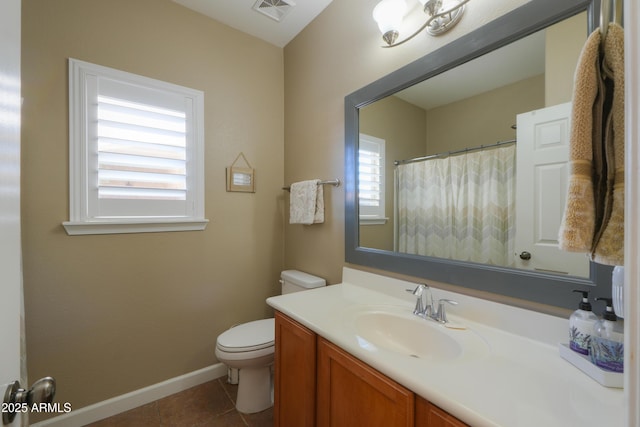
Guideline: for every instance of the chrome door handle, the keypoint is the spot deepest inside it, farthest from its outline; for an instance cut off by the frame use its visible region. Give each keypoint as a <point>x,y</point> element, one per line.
<point>42,391</point>
<point>525,255</point>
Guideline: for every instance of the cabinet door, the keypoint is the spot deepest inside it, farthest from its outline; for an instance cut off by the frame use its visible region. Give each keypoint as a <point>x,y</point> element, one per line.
<point>429,415</point>
<point>295,374</point>
<point>350,393</point>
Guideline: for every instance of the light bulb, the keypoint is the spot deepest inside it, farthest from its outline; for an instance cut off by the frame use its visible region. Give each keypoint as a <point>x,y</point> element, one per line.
<point>388,14</point>
<point>431,7</point>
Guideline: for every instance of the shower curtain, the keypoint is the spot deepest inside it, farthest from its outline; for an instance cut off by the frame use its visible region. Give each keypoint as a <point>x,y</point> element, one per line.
<point>460,207</point>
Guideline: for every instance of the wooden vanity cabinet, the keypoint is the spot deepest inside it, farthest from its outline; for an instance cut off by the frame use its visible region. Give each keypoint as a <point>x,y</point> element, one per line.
<point>351,393</point>
<point>319,384</point>
<point>294,374</point>
<point>429,415</point>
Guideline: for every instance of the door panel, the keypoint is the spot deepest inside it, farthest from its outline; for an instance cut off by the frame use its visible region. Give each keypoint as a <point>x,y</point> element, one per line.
<point>10,252</point>
<point>543,173</point>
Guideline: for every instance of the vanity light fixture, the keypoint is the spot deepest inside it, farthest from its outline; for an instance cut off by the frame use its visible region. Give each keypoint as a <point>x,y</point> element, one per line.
<point>442,15</point>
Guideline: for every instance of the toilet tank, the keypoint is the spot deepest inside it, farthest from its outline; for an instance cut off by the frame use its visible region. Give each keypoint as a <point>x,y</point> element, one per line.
<point>295,281</point>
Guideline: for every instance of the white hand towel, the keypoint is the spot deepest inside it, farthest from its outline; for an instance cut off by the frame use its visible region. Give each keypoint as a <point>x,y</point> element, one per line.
<point>306,204</point>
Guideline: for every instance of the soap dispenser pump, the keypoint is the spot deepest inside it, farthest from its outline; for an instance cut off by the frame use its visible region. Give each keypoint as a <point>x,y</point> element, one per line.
<point>581,325</point>
<point>607,341</point>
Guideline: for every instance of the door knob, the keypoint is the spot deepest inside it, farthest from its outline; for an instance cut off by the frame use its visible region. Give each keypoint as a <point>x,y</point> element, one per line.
<point>16,399</point>
<point>525,255</point>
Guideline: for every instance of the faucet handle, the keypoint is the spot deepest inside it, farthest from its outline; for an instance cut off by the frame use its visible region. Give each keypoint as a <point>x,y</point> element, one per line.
<point>418,290</point>
<point>441,315</point>
<point>419,310</point>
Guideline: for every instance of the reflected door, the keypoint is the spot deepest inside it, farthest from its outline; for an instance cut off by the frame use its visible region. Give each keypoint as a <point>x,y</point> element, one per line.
<point>543,172</point>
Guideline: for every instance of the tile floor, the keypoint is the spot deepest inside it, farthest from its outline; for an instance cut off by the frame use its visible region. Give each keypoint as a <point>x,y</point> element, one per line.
<point>209,404</point>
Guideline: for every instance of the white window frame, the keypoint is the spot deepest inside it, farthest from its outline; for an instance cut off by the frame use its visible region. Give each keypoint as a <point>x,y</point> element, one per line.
<point>374,215</point>
<point>85,217</point>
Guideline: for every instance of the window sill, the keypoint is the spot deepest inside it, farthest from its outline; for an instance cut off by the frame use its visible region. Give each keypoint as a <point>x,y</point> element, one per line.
<point>373,221</point>
<point>122,227</point>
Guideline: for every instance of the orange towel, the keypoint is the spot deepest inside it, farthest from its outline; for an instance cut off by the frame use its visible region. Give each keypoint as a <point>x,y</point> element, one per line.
<point>609,241</point>
<point>579,220</point>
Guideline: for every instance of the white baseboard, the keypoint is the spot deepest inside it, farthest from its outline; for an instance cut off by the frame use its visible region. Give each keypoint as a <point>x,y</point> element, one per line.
<point>106,408</point>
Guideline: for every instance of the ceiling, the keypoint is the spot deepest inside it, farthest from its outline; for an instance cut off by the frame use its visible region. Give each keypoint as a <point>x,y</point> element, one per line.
<point>240,14</point>
<point>483,74</point>
<point>517,61</point>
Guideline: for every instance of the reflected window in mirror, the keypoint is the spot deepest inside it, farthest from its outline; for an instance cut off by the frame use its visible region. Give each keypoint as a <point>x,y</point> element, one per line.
<point>371,180</point>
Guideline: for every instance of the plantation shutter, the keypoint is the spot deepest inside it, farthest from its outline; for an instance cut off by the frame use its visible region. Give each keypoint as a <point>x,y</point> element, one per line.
<point>371,176</point>
<point>142,146</point>
<point>141,151</point>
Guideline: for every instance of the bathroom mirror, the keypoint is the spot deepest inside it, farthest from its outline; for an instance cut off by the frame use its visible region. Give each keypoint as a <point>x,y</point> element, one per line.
<point>436,82</point>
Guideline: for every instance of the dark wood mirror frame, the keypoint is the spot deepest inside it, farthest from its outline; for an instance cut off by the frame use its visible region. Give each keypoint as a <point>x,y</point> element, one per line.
<point>526,285</point>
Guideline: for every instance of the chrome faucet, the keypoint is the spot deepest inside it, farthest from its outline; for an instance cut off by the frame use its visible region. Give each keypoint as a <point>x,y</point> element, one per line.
<point>424,304</point>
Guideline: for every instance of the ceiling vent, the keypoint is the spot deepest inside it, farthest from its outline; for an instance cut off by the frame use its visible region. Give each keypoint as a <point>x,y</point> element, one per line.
<point>274,9</point>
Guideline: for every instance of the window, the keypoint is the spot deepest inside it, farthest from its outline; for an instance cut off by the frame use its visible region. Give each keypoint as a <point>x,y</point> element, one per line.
<point>136,153</point>
<point>371,157</point>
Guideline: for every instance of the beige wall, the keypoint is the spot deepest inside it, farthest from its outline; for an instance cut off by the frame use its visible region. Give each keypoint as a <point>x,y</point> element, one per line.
<point>110,314</point>
<point>482,119</point>
<point>337,54</point>
<point>563,44</point>
<point>403,127</point>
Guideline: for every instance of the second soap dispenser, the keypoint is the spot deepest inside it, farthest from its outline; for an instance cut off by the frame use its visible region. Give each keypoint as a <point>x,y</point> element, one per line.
<point>607,341</point>
<point>581,325</point>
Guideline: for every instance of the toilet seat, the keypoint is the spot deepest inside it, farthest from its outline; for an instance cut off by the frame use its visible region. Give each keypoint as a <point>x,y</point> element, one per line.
<point>247,337</point>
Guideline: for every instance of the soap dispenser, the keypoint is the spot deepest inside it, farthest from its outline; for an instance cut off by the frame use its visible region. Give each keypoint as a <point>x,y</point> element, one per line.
<point>581,325</point>
<point>617,290</point>
<point>607,341</point>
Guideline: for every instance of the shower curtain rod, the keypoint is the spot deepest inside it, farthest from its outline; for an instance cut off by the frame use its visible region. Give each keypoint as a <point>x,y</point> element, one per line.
<point>449,153</point>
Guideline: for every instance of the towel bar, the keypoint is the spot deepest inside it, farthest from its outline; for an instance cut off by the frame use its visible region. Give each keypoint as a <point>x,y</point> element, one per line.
<point>335,182</point>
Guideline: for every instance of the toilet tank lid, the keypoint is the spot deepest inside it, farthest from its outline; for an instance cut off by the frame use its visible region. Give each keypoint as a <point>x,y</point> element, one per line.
<point>303,279</point>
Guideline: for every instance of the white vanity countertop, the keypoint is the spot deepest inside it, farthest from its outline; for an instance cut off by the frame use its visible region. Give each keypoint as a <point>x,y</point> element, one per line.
<point>522,381</point>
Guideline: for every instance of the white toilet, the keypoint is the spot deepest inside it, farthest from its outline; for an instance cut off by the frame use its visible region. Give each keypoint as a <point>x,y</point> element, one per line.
<point>249,348</point>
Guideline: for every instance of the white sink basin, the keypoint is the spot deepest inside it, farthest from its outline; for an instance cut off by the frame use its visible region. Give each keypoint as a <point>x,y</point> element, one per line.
<point>400,331</point>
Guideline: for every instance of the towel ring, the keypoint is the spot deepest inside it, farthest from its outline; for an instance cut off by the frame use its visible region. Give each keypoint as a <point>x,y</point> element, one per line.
<point>605,18</point>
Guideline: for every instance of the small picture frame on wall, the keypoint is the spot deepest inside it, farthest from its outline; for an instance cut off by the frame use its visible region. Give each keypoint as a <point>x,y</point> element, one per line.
<point>241,179</point>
